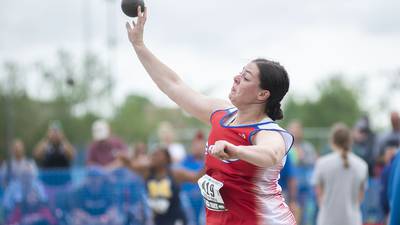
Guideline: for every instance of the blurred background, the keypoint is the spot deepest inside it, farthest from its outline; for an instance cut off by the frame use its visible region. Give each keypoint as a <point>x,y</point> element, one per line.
<point>66,65</point>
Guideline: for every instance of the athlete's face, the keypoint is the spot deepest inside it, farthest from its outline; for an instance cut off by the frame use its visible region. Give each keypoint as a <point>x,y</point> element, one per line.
<point>246,87</point>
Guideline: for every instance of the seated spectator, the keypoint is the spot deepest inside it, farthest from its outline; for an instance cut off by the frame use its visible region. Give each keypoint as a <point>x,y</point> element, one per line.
<point>129,195</point>
<point>104,149</point>
<point>93,201</point>
<point>163,186</point>
<point>61,207</point>
<point>25,201</point>
<point>18,161</point>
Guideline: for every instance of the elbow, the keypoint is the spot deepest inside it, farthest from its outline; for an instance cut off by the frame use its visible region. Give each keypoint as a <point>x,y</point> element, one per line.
<point>169,83</point>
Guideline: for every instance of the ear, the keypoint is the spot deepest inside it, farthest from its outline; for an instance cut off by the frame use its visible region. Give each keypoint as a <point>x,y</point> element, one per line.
<point>263,95</point>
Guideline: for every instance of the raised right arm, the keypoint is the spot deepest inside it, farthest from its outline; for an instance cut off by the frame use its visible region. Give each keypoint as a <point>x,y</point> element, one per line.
<point>195,103</point>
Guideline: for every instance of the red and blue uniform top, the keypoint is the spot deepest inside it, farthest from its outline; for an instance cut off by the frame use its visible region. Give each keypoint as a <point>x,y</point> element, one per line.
<point>250,194</point>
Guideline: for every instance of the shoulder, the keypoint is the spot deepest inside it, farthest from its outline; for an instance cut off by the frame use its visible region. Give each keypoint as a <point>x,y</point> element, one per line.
<point>273,130</point>
<point>359,161</point>
<point>323,160</point>
<point>116,141</point>
<point>267,134</point>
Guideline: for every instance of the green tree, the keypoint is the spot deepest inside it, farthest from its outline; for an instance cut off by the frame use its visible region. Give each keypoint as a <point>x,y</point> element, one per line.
<point>76,84</point>
<point>69,85</point>
<point>137,118</point>
<point>338,101</point>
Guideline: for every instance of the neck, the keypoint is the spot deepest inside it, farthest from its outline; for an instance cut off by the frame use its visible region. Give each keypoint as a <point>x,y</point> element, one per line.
<point>338,149</point>
<point>160,172</point>
<point>19,158</point>
<point>198,156</point>
<point>249,114</point>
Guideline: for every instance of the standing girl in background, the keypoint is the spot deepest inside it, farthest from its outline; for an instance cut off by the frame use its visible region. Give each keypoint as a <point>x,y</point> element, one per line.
<point>340,178</point>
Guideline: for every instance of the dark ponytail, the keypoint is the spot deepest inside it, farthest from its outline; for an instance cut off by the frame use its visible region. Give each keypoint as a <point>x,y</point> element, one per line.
<point>274,78</point>
<point>345,159</point>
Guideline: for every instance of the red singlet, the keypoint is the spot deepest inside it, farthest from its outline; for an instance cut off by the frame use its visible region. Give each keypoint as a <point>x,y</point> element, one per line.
<point>251,195</point>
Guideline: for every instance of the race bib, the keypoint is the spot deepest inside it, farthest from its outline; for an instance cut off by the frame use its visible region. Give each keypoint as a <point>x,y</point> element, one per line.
<point>210,190</point>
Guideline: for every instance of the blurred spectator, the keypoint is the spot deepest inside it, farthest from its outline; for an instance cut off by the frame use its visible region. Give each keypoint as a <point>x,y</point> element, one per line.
<point>129,195</point>
<point>93,202</point>
<point>163,191</point>
<point>340,179</point>
<point>303,151</point>
<point>195,162</point>
<point>394,191</point>
<point>12,167</point>
<point>25,200</point>
<point>288,183</point>
<point>389,153</point>
<point>392,136</point>
<point>364,142</point>
<point>139,162</point>
<point>140,158</point>
<point>105,148</point>
<point>139,150</point>
<point>54,155</point>
<point>303,156</point>
<point>166,134</point>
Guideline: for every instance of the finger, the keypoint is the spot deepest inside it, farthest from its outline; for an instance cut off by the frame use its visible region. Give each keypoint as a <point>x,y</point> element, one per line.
<point>224,155</point>
<point>219,154</point>
<point>145,14</point>
<point>212,150</point>
<point>139,11</point>
<point>133,23</point>
<point>141,18</point>
<point>215,150</point>
<point>128,27</point>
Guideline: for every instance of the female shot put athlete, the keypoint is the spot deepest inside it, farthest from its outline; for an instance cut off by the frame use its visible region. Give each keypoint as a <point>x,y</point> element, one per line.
<point>246,149</point>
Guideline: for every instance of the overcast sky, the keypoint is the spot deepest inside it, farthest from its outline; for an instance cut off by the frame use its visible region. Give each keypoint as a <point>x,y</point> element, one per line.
<point>207,42</point>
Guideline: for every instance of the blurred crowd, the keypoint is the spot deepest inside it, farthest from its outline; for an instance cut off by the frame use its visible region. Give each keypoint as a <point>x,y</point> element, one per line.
<point>354,173</point>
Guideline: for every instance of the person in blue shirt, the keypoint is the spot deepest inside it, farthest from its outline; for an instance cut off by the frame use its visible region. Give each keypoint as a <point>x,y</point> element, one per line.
<point>288,183</point>
<point>388,156</point>
<point>92,202</point>
<point>194,162</point>
<point>129,195</point>
<point>394,191</point>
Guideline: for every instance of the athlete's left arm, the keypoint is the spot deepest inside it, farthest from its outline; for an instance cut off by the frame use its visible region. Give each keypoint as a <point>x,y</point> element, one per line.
<point>268,149</point>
